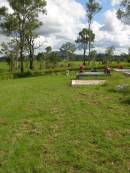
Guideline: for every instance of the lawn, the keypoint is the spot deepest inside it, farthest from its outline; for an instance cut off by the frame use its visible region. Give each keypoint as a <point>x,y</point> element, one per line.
<point>46,126</point>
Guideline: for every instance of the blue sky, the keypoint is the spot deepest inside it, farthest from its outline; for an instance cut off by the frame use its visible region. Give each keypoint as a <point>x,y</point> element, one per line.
<point>112,31</point>
<point>105,4</point>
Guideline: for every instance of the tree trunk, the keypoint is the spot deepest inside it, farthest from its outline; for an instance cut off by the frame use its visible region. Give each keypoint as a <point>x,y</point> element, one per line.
<point>31,64</point>
<point>11,66</point>
<point>89,43</point>
<point>31,61</point>
<point>84,57</point>
<point>31,57</point>
<point>22,42</point>
<point>21,60</point>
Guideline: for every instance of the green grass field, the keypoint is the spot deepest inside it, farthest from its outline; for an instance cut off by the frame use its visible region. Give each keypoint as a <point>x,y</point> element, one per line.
<point>46,126</point>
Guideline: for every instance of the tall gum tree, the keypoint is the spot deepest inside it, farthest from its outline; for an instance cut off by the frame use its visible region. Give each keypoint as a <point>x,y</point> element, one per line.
<point>30,36</point>
<point>15,24</point>
<point>92,8</point>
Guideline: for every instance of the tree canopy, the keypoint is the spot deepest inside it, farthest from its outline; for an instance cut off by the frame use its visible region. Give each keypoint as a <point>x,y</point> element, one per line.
<point>68,49</point>
<point>21,24</point>
<point>83,39</point>
<point>123,12</point>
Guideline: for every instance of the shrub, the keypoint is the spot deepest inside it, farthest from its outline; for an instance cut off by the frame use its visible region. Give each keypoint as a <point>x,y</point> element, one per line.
<point>120,66</point>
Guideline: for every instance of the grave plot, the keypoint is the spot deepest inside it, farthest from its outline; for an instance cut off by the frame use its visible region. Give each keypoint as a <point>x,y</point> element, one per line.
<point>87,82</point>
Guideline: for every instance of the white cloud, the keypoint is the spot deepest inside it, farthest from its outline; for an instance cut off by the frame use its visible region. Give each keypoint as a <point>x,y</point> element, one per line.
<point>63,21</point>
<point>117,32</point>
<point>116,2</point>
<point>65,18</point>
<point>112,33</point>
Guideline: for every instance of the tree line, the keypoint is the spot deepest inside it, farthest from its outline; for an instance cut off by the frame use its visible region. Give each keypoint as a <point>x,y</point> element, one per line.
<point>21,24</point>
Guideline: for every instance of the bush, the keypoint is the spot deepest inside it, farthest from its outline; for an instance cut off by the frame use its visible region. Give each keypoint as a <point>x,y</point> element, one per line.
<point>120,66</point>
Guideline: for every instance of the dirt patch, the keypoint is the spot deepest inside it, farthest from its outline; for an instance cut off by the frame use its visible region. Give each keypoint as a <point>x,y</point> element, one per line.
<point>112,134</point>
<point>28,126</point>
<point>3,123</point>
<point>128,165</point>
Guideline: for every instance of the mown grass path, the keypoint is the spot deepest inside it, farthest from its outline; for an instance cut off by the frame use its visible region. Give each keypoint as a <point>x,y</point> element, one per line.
<point>46,126</point>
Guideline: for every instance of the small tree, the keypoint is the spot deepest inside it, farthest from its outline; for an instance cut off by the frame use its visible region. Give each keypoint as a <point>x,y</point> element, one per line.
<point>11,51</point>
<point>54,59</point>
<point>47,56</point>
<point>41,58</point>
<point>48,50</point>
<point>83,40</point>
<point>109,55</point>
<point>93,57</point>
<point>68,50</point>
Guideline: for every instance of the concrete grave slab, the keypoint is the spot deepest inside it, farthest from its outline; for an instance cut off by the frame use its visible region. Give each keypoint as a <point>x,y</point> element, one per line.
<point>122,70</point>
<point>87,82</point>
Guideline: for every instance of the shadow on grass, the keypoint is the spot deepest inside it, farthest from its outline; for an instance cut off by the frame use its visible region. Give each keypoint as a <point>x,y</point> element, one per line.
<point>126,100</point>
